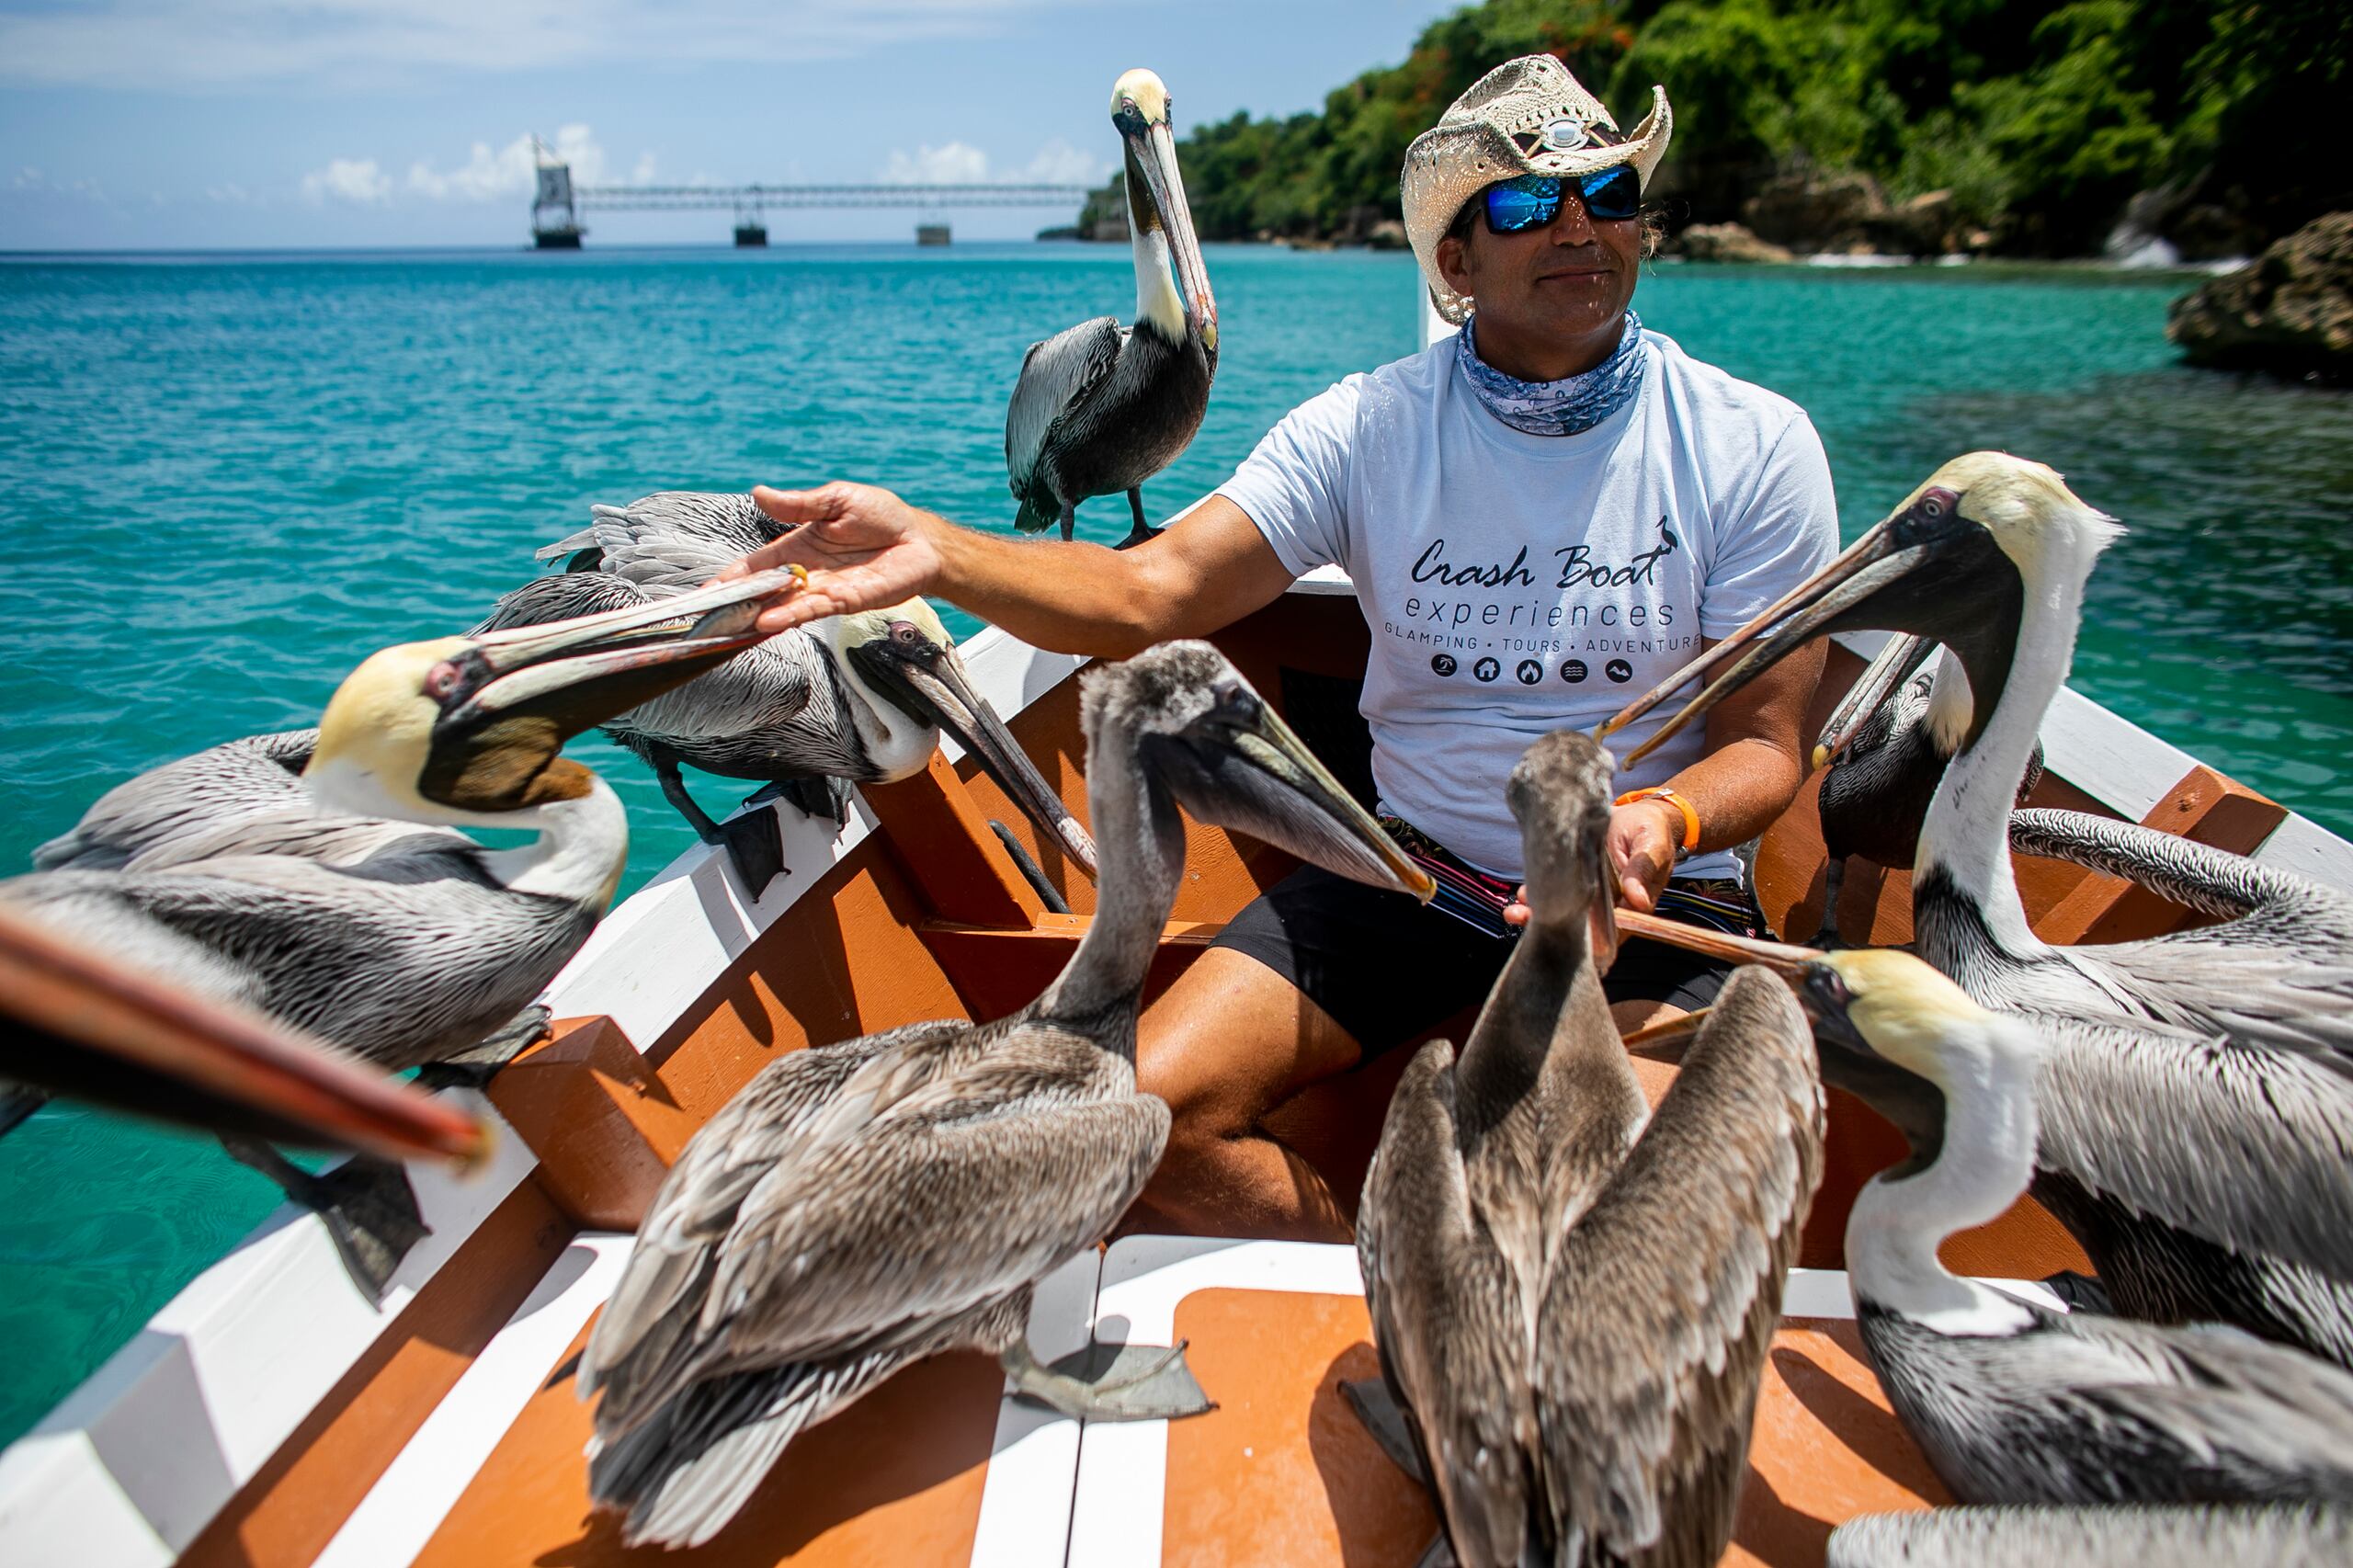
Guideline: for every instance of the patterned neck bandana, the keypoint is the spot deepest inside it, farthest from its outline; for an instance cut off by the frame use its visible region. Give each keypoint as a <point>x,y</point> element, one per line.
<point>1555,408</point>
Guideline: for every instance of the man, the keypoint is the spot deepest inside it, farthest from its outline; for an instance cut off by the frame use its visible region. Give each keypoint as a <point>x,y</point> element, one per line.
<point>1543,518</point>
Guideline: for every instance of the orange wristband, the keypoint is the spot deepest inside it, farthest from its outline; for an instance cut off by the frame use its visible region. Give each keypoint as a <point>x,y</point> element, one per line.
<point>1661,793</point>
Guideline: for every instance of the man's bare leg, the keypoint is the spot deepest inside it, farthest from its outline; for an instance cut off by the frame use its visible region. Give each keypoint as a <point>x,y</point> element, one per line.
<point>1226,1044</point>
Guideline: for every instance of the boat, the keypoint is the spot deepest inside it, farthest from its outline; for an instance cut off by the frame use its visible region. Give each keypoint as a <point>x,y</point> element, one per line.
<point>269,1415</point>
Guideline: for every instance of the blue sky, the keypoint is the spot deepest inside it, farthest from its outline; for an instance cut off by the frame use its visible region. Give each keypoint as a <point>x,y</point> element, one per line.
<point>176,123</point>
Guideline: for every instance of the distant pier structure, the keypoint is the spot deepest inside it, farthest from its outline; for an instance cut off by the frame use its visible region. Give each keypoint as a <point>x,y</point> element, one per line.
<point>557,203</point>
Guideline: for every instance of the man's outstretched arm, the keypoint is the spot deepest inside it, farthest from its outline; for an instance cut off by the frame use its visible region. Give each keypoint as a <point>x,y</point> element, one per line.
<point>865,548</point>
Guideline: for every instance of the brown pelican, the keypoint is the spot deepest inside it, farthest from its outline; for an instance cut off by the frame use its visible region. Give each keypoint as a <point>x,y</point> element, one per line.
<point>1099,407</point>
<point>322,882</point>
<point>854,699</point>
<point>82,1025</point>
<point>1885,746</point>
<point>2279,1535</point>
<point>1573,1308</point>
<point>2207,1182</point>
<point>2247,1024</point>
<point>2011,1402</point>
<point>864,1205</point>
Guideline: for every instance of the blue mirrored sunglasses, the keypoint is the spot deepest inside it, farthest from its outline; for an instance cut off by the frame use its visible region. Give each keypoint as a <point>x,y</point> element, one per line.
<point>1607,194</point>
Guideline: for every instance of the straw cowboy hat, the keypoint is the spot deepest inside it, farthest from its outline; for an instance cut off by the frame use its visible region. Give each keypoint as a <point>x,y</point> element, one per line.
<point>1525,117</point>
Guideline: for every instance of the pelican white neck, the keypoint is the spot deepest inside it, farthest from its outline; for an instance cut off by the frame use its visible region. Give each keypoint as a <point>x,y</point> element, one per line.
<point>2052,540</point>
<point>1984,1065</point>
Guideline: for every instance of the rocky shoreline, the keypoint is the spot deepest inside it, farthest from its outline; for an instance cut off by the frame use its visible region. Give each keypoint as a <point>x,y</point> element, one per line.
<point>2289,312</point>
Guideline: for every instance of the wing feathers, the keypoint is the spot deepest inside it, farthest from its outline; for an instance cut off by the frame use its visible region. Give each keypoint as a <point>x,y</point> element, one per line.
<point>1661,1302</point>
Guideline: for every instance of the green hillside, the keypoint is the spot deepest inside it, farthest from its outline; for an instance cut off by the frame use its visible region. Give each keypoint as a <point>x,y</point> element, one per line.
<point>2042,120</point>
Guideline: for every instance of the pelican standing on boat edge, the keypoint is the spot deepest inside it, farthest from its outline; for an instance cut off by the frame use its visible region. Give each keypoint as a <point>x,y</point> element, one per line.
<point>2246,1027</point>
<point>1573,1303</point>
<point>851,700</point>
<point>321,881</point>
<point>860,1206</point>
<point>1099,408</point>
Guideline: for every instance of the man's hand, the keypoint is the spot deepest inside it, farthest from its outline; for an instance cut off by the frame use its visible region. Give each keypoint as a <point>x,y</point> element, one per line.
<point>1643,837</point>
<point>865,548</point>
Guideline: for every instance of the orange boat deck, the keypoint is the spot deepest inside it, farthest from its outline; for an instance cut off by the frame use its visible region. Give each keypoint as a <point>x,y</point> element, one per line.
<point>928,918</point>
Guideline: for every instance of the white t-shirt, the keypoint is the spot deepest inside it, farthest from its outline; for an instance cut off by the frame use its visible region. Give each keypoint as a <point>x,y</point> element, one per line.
<point>1516,584</point>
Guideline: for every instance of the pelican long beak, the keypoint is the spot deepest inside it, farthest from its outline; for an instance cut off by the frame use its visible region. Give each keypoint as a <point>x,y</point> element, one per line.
<point>927,678</point>
<point>1682,1027</point>
<point>1881,680</point>
<point>1240,767</point>
<point>1922,570</point>
<point>1789,962</point>
<point>579,672</point>
<point>1151,152</point>
<point>1819,980</point>
<point>89,1028</point>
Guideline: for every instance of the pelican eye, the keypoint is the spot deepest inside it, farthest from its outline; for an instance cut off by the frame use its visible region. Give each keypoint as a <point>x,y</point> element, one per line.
<point>445,680</point>
<point>1829,986</point>
<point>904,633</point>
<point>1929,515</point>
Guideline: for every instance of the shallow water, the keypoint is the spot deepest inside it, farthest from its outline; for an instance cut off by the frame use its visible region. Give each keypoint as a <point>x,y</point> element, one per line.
<point>224,480</point>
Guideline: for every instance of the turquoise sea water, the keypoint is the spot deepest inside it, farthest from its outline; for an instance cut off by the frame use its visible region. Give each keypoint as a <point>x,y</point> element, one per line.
<point>224,480</point>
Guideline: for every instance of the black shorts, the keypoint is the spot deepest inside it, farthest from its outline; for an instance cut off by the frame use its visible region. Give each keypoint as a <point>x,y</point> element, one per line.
<point>1389,969</point>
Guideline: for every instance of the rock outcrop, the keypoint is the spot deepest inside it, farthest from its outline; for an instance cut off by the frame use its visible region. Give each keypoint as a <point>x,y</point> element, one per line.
<point>1727,241</point>
<point>2289,311</point>
<point>1813,211</point>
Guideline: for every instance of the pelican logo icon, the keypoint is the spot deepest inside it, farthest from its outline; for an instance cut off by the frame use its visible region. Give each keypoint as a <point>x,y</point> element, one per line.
<point>1530,672</point>
<point>1488,668</point>
<point>1619,670</point>
<point>1442,664</point>
<point>1565,135</point>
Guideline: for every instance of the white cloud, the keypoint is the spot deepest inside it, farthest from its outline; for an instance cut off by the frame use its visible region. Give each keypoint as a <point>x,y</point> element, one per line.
<point>956,164</point>
<point>486,175</point>
<point>162,46</point>
<point>33,182</point>
<point>1057,162</point>
<point>358,181</point>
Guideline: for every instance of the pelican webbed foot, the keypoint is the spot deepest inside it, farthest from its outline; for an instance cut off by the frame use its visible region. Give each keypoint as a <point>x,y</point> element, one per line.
<point>366,1205</point>
<point>1140,1382</point>
<point>754,845</point>
<point>754,841</point>
<point>1386,1419</point>
<point>814,798</point>
<point>475,1066</point>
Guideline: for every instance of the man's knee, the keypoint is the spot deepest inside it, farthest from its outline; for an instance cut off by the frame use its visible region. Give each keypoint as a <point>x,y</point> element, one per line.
<point>1228,1042</point>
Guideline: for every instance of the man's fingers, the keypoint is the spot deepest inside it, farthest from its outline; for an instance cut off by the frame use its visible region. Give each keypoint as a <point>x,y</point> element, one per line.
<point>842,592</point>
<point>816,506</point>
<point>1634,893</point>
<point>798,610</point>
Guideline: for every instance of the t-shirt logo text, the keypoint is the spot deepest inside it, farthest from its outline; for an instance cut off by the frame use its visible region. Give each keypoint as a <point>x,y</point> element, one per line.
<point>1577,565</point>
